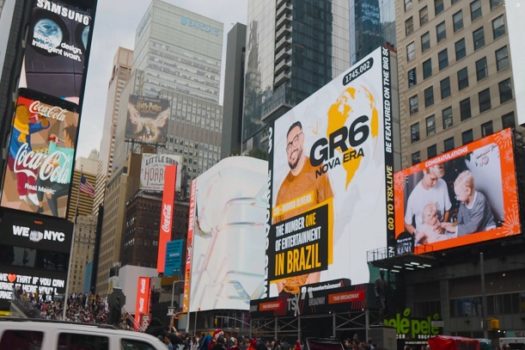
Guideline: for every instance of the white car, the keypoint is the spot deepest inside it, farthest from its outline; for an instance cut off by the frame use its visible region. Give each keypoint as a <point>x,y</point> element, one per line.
<point>30,334</point>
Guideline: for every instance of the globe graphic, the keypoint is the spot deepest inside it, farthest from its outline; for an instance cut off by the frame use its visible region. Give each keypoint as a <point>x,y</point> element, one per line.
<point>85,36</point>
<point>48,33</point>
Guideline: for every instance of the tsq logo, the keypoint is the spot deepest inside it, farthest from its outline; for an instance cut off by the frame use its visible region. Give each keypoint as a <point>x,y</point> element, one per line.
<point>37,236</point>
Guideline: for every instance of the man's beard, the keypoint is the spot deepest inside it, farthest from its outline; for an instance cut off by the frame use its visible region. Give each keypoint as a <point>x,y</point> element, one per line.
<point>294,164</point>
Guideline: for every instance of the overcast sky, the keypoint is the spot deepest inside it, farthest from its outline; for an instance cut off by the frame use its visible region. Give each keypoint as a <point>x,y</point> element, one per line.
<point>115,25</point>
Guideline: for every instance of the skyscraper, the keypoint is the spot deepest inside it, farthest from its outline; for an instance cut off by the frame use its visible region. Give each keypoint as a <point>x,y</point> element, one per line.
<point>294,47</point>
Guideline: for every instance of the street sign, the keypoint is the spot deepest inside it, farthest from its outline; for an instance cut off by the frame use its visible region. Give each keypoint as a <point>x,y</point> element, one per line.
<point>171,311</point>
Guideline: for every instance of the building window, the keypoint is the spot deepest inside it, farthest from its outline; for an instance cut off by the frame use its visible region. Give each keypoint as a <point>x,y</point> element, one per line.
<point>478,36</point>
<point>411,51</point>
<point>443,59</point>
<point>431,125</point>
<point>481,68</point>
<point>413,103</point>
<point>408,5</point>
<point>505,90</point>
<point>414,132</point>
<point>425,41</point>
<point>484,100</point>
<point>498,27</point>
<point>460,49</point>
<point>431,151</point>
<point>462,78</point>
<point>467,136</point>
<point>487,129</point>
<point>409,26</point>
<point>423,16</point>
<point>444,86</point>
<point>502,58</point>
<point>416,157</point>
<point>429,96</point>
<point>427,68</point>
<point>449,143</point>
<point>507,120</point>
<point>438,6</point>
<point>448,119</point>
<point>458,20</point>
<point>412,77</point>
<point>495,3</point>
<point>475,10</point>
<point>441,31</point>
<point>464,109</point>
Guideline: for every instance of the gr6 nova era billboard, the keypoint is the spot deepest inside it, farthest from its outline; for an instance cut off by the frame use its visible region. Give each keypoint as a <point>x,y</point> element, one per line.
<point>330,166</point>
<point>461,197</point>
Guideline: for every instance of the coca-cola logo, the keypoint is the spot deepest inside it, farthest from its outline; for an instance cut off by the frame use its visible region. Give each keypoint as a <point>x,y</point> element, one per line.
<point>48,111</point>
<point>166,216</point>
<point>52,167</point>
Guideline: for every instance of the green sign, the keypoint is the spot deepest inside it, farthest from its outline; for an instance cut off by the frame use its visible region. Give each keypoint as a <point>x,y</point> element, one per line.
<point>413,328</point>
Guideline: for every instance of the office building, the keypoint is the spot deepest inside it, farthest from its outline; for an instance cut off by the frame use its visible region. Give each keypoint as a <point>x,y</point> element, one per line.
<point>82,251</point>
<point>293,48</point>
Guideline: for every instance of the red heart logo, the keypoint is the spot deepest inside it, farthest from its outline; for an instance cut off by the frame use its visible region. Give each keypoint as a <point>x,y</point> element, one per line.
<point>11,277</point>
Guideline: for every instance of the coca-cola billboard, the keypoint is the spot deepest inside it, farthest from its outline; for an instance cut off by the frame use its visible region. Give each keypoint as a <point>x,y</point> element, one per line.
<point>41,154</point>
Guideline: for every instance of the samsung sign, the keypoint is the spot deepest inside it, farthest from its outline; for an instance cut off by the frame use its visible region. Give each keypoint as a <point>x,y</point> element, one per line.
<point>185,21</point>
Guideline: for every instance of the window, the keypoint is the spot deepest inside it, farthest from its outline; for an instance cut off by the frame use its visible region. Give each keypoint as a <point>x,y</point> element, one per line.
<point>17,339</point>
<point>429,96</point>
<point>411,51</point>
<point>505,91</point>
<point>460,49</point>
<point>502,58</point>
<point>478,37</point>
<point>423,16</point>
<point>467,136</point>
<point>431,125</point>
<point>443,59</point>
<point>425,41</point>
<point>495,3</point>
<point>487,129</point>
<point>441,31</point>
<point>457,18</point>
<point>438,6</point>
<point>132,344</point>
<point>414,132</point>
<point>481,68</point>
<point>413,103</point>
<point>448,144</point>
<point>447,117</point>
<point>409,26</point>
<point>431,151</point>
<point>484,100</point>
<point>444,86</point>
<point>427,68</point>
<point>507,120</point>
<point>464,109</point>
<point>412,77</point>
<point>408,5</point>
<point>498,27</point>
<point>462,78</point>
<point>475,10</point>
<point>84,341</point>
<point>416,157</point>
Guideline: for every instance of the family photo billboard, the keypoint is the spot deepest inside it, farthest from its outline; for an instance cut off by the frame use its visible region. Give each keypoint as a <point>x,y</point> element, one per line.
<point>465,196</point>
<point>331,180</point>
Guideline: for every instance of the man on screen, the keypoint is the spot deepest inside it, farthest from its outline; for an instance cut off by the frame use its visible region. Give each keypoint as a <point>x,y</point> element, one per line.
<point>303,186</point>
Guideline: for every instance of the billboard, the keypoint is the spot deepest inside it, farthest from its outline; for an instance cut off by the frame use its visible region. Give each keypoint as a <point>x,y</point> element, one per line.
<point>174,253</point>
<point>227,250</point>
<point>189,249</point>
<point>143,299</point>
<point>152,171</point>
<point>166,214</point>
<point>514,14</point>
<point>58,47</point>
<point>331,180</point>
<point>147,119</point>
<point>41,155</point>
<point>465,196</point>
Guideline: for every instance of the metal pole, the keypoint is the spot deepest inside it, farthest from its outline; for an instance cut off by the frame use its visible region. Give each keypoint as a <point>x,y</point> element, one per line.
<point>333,324</point>
<point>250,328</point>
<point>195,324</point>
<point>367,324</point>
<point>299,328</point>
<point>188,323</point>
<point>275,327</point>
<point>483,297</point>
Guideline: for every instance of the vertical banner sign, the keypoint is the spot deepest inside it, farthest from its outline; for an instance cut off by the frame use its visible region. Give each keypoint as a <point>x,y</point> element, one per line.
<point>166,214</point>
<point>174,253</point>
<point>189,246</point>
<point>142,303</point>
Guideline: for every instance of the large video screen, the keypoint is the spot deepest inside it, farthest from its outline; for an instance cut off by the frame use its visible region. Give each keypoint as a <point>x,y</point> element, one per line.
<point>461,197</point>
<point>147,119</point>
<point>227,258</point>
<point>330,166</point>
<point>41,155</point>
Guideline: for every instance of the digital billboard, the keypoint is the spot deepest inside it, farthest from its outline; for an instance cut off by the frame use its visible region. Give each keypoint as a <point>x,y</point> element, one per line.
<point>147,119</point>
<point>227,250</point>
<point>174,254</point>
<point>166,214</point>
<point>56,55</point>
<point>331,180</point>
<point>152,171</point>
<point>465,196</point>
<point>41,154</point>
<point>143,299</point>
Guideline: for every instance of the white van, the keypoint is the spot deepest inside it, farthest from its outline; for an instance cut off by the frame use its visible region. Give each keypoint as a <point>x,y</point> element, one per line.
<point>27,334</point>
